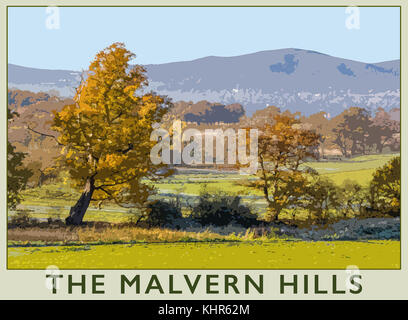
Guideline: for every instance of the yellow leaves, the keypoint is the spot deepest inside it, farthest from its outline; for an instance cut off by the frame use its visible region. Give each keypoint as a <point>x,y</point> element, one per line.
<point>106,132</point>
<point>144,110</point>
<point>130,90</point>
<point>86,110</point>
<point>395,202</point>
<point>147,98</point>
<point>385,187</point>
<point>112,161</point>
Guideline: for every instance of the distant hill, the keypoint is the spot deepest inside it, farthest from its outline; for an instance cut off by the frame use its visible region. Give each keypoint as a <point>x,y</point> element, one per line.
<point>292,79</point>
<point>207,112</point>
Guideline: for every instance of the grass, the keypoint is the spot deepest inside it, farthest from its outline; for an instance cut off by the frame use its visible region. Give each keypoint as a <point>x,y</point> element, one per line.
<point>109,234</point>
<point>359,169</point>
<point>128,248</point>
<point>210,255</point>
<point>54,200</point>
<point>363,176</point>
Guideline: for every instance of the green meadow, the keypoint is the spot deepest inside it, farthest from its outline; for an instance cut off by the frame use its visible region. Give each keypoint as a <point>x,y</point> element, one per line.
<point>212,255</point>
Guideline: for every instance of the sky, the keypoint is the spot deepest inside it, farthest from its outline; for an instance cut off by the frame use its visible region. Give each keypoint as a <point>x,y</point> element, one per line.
<point>70,39</point>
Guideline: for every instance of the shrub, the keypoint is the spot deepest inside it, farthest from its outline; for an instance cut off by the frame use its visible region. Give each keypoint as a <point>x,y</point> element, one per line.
<point>353,197</point>
<point>161,212</point>
<point>385,188</point>
<point>21,219</point>
<point>320,197</point>
<point>221,209</point>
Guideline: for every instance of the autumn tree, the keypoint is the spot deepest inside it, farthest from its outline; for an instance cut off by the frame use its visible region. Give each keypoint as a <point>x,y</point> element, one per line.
<point>353,197</point>
<point>31,133</point>
<point>105,133</point>
<point>351,131</point>
<point>321,125</point>
<point>17,174</point>
<point>261,117</point>
<point>382,130</point>
<point>385,188</point>
<point>319,197</point>
<point>282,148</point>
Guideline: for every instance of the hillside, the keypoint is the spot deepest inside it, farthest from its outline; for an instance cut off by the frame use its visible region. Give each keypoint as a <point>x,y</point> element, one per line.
<point>292,79</point>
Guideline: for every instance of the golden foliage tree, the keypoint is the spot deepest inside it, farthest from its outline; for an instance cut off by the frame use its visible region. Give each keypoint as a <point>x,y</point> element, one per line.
<point>385,188</point>
<point>282,148</point>
<point>106,132</point>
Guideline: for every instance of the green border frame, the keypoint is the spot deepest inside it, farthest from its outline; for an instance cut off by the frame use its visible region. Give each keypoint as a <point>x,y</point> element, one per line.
<point>207,6</point>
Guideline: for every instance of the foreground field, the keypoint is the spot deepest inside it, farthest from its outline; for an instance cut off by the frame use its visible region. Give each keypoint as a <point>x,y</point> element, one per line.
<point>212,255</point>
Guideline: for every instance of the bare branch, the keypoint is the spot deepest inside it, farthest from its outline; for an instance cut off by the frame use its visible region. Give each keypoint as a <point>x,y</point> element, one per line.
<point>44,134</point>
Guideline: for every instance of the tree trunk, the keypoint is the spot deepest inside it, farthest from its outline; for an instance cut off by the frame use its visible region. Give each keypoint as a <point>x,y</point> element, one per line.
<point>380,147</point>
<point>77,212</point>
<point>41,178</point>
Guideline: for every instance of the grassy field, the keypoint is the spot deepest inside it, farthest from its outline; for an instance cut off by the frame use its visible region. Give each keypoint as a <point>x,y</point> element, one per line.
<point>54,200</point>
<point>233,255</point>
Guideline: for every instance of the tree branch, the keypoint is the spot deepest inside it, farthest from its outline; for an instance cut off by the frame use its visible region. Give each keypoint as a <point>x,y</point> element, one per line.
<point>129,148</point>
<point>117,117</point>
<point>44,134</point>
<point>112,197</point>
<point>116,183</point>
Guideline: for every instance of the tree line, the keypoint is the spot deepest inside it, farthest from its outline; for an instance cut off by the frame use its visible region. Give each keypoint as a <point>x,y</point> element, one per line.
<point>353,132</point>
<point>288,184</point>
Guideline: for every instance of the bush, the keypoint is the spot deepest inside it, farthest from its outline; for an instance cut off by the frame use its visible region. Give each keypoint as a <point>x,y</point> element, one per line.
<point>21,219</point>
<point>385,188</point>
<point>161,212</point>
<point>222,209</point>
<point>353,197</point>
<point>320,197</point>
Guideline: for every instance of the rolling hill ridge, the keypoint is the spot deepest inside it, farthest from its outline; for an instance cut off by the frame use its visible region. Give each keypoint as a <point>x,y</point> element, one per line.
<point>292,79</point>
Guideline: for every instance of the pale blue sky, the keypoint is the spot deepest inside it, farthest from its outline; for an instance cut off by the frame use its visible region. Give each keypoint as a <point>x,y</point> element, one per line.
<point>159,35</point>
